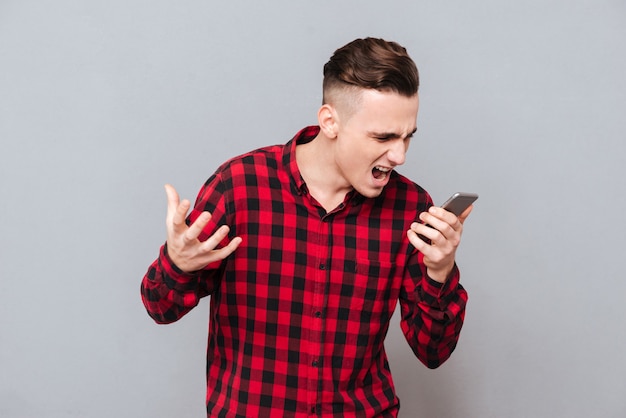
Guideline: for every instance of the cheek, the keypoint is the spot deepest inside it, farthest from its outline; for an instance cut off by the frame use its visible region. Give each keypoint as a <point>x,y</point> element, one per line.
<point>357,161</point>
<point>355,156</point>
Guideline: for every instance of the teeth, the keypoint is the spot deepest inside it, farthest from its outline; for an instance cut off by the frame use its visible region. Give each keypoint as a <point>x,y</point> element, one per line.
<point>380,173</point>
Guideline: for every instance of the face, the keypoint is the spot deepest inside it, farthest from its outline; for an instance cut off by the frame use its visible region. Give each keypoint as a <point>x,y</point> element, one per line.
<point>373,139</point>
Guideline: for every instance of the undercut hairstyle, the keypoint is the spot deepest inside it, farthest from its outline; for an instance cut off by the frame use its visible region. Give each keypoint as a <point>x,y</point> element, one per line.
<point>370,63</point>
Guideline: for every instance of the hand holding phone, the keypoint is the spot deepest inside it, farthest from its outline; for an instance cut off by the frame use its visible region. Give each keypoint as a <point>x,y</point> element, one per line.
<point>439,247</point>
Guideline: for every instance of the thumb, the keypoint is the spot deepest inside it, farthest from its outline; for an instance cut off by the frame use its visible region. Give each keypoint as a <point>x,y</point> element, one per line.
<point>465,213</point>
<point>173,200</point>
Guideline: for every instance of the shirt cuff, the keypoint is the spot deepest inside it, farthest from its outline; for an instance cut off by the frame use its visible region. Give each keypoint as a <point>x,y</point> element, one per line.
<point>172,275</point>
<point>433,292</point>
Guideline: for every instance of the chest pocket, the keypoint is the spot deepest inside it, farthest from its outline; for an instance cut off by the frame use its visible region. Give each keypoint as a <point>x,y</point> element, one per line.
<point>363,296</point>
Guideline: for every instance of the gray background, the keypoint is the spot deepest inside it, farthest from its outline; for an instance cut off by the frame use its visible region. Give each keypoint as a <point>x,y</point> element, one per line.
<point>102,102</point>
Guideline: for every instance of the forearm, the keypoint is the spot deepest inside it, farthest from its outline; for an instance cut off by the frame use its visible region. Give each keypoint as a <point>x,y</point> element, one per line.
<point>168,293</point>
<point>432,318</point>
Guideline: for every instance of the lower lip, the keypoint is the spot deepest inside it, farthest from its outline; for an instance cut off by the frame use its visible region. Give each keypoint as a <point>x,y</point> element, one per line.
<point>383,180</point>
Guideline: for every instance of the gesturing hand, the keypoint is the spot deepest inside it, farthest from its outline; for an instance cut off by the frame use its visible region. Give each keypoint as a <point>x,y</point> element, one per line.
<point>445,237</point>
<point>184,248</point>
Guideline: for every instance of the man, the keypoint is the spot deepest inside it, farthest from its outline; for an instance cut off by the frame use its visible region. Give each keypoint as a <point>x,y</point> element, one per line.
<point>305,249</point>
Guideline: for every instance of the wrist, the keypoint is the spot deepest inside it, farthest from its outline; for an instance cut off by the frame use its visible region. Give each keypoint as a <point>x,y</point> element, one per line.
<point>439,275</point>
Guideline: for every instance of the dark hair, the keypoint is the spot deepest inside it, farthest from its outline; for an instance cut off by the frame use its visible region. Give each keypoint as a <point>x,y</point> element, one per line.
<point>372,63</point>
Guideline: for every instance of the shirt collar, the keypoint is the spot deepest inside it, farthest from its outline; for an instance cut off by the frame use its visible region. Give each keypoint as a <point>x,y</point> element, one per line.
<point>289,155</point>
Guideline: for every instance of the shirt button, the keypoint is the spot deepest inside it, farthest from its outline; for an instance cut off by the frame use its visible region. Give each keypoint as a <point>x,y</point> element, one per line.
<point>322,266</point>
<point>315,363</point>
<point>318,314</point>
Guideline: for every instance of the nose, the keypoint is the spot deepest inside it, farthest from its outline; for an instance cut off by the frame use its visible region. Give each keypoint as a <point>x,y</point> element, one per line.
<point>397,151</point>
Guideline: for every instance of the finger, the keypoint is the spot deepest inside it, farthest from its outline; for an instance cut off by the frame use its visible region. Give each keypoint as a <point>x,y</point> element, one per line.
<point>430,251</point>
<point>416,240</point>
<point>442,214</point>
<point>174,219</point>
<point>195,229</point>
<point>214,240</point>
<point>225,251</point>
<point>463,216</point>
<point>178,220</point>
<point>444,224</point>
<point>425,233</point>
<point>438,246</point>
<point>172,200</point>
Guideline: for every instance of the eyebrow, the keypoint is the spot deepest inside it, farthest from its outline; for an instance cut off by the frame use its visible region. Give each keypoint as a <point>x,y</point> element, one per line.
<point>390,135</point>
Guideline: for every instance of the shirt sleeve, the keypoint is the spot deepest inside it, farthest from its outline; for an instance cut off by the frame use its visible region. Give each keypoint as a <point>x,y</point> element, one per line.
<point>432,312</point>
<point>167,292</point>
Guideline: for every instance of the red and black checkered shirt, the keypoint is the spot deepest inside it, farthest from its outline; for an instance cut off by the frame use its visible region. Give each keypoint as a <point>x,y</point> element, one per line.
<point>299,312</point>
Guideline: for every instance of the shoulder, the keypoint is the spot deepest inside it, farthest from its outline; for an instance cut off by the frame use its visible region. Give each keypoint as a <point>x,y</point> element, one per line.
<point>253,162</point>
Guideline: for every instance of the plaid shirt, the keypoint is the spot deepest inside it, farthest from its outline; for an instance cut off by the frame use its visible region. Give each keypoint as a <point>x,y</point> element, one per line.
<point>299,312</point>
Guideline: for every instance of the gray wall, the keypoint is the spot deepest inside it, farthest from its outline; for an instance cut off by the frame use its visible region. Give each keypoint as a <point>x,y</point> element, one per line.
<point>102,102</point>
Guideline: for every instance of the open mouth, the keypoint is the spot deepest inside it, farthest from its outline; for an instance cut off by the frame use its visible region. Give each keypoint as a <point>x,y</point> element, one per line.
<point>380,173</point>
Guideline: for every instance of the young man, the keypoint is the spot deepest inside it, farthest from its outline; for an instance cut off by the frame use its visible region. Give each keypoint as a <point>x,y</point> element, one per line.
<point>305,249</point>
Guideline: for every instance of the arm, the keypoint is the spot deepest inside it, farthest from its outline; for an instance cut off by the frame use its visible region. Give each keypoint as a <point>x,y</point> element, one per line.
<point>432,299</point>
<point>188,267</point>
<point>432,313</point>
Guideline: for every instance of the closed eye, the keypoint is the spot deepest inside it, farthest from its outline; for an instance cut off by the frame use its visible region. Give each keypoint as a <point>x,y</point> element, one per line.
<point>382,137</point>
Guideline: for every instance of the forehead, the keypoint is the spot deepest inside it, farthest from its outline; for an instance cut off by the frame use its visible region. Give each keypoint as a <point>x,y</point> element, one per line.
<point>390,111</point>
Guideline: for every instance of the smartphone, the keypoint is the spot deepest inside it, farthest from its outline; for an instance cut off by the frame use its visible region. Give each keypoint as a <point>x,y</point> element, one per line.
<point>456,204</point>
<point>459,201</point>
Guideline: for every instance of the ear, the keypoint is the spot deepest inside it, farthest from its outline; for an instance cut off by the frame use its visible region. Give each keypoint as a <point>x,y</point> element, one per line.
<point>328,121</point>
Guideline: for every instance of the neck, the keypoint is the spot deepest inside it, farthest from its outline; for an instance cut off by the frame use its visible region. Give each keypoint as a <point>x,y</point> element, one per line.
<point>317,165</point>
